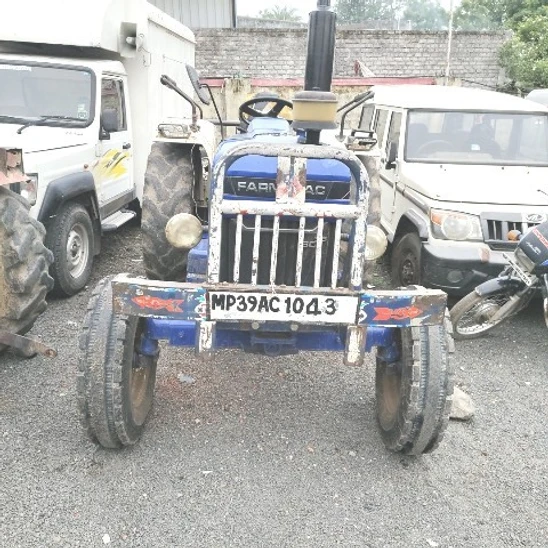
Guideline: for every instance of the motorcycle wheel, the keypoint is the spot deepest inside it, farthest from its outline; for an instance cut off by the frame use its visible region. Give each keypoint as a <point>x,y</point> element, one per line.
<point>472,315</point>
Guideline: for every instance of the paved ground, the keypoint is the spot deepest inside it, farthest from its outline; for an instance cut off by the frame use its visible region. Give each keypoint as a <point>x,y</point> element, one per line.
<point>272,453</point>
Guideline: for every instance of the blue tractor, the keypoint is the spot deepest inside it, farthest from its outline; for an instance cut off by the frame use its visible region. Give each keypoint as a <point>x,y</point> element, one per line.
<point>273,264</point>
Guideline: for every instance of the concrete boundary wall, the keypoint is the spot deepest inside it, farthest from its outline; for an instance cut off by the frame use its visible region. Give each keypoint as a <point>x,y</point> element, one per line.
<point>281,53</point>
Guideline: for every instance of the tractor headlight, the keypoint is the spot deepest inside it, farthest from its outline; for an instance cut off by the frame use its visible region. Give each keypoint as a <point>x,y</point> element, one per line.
<point>376,243</point>
<point>450,225</point>
<point>174,131</point>
<point>184,231</point>
<point>29,188</point>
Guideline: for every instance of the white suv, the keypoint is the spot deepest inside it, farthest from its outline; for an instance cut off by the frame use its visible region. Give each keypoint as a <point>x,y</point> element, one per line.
<point>461,167</point>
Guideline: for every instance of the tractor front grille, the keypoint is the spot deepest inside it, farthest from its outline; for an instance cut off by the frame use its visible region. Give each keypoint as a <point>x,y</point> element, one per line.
<point>288,240</point>
<point>293,252</point>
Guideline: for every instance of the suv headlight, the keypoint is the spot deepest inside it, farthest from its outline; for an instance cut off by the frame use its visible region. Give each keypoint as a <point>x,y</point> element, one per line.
<point>450,225</point>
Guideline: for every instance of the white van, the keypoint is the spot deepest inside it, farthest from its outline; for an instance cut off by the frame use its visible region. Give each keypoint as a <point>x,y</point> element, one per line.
<point>461,167</point>
<point>81,96</point>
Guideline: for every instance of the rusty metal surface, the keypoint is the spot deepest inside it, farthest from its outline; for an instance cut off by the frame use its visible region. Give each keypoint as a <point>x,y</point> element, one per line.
<point>26,346</point>
<point>11,167</point>
<point>354,352</point>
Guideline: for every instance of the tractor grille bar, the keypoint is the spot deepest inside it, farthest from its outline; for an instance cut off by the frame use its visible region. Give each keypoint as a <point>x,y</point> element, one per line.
<point>256,246</point>
<point>319,247</point>
<point>336,253</point>
<point>300,248</point>
<point>238,248</point>
<point>274,257</point>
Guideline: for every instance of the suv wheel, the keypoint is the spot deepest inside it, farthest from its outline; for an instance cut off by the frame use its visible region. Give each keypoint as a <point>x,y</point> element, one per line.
<point>406,261</point>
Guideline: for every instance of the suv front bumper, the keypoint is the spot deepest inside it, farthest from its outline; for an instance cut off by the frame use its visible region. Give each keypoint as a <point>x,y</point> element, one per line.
<point>458,270</point>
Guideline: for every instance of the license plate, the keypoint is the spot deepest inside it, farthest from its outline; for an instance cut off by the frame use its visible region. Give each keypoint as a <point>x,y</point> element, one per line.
<point>328,309</point>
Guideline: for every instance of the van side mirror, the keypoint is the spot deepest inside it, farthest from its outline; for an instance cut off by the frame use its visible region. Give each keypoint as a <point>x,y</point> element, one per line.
<point>392,155</point>
<point>109,120</point>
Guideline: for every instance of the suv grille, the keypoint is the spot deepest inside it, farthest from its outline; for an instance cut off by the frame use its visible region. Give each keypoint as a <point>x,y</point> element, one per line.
<point>495,230</point>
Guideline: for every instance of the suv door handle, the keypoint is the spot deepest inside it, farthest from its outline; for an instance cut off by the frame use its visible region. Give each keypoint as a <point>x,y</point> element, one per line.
<point>126,146</point>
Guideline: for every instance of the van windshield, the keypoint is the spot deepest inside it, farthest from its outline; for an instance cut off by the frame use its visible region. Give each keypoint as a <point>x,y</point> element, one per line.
<point>53,95</point>
<point>460,137</point>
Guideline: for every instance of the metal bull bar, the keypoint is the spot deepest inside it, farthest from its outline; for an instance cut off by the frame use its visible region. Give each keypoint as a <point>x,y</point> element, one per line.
<point>290,202</point>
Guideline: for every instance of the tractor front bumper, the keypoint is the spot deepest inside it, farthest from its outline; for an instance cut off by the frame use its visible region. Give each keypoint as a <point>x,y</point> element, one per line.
<point>213,316</point>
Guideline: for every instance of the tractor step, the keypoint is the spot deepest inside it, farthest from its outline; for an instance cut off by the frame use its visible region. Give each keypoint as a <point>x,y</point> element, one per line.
<point>116,220</point>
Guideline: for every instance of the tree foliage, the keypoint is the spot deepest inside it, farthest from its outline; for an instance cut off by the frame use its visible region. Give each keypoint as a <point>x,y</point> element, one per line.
<point>358,11</point>
<point>525,55</point>
<point>280,13</point>
<point>426,14</point>
<point>481,14</point>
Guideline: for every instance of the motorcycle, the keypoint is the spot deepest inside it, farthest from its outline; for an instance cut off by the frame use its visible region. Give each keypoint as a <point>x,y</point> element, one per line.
<point>496,300</point>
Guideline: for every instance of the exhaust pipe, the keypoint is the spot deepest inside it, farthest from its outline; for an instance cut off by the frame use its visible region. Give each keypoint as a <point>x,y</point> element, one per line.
<point>321,48</point>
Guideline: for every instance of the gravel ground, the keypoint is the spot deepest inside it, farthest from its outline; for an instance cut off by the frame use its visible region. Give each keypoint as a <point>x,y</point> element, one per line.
<point>261,452</point>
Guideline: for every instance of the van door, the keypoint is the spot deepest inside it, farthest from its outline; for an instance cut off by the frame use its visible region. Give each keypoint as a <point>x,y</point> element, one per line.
<point>389,172</point>
<point>113,171</point>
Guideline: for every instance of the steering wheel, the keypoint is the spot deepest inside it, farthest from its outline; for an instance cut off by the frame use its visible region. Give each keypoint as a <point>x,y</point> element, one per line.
<point>247,111</point>
<point>439,145</point>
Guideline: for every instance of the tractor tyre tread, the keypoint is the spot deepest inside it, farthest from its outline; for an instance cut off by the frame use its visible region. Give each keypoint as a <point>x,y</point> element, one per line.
<point>24,265</point>
<point>169,182</point>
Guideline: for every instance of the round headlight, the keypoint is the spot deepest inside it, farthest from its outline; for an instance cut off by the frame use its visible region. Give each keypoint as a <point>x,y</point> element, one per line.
<point>376,243</point>
<point>184,231</point>
<point>457,227</point>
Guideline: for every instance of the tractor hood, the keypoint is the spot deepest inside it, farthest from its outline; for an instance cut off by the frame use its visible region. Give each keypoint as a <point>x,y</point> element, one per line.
<point>481,184</point>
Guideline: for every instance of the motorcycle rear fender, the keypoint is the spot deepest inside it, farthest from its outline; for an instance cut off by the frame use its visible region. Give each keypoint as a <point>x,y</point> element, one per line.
<point>496,284</point>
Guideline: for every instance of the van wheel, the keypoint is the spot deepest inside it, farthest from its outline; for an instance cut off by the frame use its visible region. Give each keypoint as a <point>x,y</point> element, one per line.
<point>414,393</point>
<point>169,180</point>
<point>406,261</point>
<point>70,238</point>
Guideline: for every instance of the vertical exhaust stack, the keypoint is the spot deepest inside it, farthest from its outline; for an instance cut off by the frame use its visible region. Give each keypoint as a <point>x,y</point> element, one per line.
<point>315,108</point>
<point>321,48</point>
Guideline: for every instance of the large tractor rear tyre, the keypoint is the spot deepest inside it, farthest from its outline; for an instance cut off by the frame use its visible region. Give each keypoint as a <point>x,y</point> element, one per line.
<point>169,182</point>
<point>414,394</point>
<point>24,265</point>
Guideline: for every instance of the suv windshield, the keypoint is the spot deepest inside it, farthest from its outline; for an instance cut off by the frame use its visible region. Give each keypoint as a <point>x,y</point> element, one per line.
<point>456,137</point>
<point>56,96</point>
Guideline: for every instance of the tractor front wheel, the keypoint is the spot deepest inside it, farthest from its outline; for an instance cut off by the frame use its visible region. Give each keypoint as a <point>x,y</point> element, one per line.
<point>414,393</point>
<point>115,383</point>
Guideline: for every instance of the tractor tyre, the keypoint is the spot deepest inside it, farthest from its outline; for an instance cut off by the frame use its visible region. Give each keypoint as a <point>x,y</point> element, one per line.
<point>169,183</point>
<point>414,393</point>
<point>24,265</point>
<point>115,384</point>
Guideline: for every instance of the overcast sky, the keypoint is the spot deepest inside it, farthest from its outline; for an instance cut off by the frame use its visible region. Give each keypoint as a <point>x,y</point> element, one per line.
<point>304,7</point>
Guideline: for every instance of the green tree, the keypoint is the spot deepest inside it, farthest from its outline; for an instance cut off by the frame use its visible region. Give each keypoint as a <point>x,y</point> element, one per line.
<point>358,11</point>
<point>525,55</point>
<point>481,14</point>
<point>426,14</point>
<point>280,13</point>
